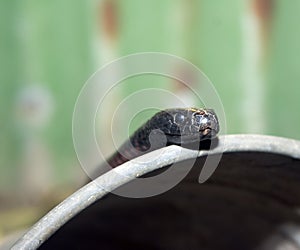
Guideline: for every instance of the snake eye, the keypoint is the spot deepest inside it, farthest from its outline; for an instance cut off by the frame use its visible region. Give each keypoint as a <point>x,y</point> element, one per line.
<point>202,121</point>
<point>179,118</point>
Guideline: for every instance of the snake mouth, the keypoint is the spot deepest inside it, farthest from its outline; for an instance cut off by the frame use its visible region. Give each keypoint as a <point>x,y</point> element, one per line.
<point>208,133</point>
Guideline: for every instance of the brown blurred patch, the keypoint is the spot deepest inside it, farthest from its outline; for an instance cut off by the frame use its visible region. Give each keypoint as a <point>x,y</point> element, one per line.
<point>263,9</point>
<point>108,18</point>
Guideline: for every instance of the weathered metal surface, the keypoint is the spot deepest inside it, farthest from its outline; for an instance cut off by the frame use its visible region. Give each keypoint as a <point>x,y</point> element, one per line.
<point>251,201</point>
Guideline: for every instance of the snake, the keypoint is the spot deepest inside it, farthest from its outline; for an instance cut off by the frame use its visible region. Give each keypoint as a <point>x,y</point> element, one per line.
<point>177,126</point>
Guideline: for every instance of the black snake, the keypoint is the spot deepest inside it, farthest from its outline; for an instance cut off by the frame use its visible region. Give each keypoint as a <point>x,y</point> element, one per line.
<point>179,126</point>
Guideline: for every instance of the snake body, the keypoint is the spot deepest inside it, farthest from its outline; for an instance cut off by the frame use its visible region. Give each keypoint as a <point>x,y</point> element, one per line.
<point>180,126</point>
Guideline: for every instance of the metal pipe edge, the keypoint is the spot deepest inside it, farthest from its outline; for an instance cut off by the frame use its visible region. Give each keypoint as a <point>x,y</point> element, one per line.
<point>128,171</point>
<point>256,143</point>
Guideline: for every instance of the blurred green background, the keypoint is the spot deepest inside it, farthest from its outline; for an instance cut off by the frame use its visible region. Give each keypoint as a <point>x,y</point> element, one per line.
<point>249,49</point>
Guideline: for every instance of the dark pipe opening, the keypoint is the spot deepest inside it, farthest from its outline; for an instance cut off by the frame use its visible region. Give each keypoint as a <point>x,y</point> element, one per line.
<point>250,202</point>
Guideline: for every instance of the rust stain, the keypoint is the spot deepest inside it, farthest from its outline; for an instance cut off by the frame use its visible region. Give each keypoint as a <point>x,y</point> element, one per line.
<point>263,9</point>
<point>109,18</point>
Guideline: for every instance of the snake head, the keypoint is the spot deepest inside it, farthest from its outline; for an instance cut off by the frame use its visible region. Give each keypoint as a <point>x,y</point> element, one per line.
<point>186,125</point>
<point>205,121</point>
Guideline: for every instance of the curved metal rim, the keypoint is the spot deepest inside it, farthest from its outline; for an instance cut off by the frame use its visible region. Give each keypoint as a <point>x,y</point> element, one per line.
<point>128,171</point>
<point>256,143</point>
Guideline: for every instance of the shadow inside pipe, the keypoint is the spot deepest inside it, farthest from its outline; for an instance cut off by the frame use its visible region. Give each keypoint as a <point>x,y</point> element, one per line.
<point>245,204</point>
